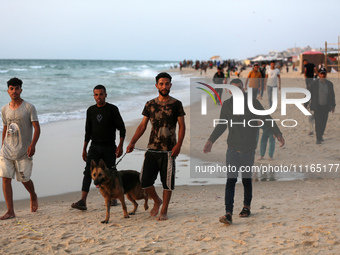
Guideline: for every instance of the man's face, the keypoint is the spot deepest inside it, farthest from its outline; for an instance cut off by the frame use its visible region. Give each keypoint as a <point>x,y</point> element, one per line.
<point>14,92</point>
<point>99,96</point>
<point>163,86</point>
<point>272,65</point>
<point>322,75</point>
<point>256,68</point>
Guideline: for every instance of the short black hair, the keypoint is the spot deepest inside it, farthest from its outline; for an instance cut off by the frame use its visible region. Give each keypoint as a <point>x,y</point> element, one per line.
<point>236,81</point>
<point>273,61</point>
<point>163,75</point>
<point>100,87</point>
<point>14,82</point>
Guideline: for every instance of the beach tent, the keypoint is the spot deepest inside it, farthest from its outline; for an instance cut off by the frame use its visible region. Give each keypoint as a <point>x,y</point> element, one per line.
<point>259,59</point>
<point>216,58</point>
<point>315,57</point>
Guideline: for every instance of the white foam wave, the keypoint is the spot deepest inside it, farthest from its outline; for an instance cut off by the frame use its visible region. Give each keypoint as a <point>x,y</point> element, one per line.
<point>37,67</point>
<point>52,117</point>
<point>111,71</point>
<point>121,68</point>
<point>3,71</point>
<point>19,69</point>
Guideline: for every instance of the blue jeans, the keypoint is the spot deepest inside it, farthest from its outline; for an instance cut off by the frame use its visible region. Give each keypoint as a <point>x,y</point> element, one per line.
<point>234,161</point>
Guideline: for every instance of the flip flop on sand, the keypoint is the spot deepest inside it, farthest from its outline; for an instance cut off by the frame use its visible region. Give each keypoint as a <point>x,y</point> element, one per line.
<point>226,219</point>
<point>80,205</point>
<point>245,212</point>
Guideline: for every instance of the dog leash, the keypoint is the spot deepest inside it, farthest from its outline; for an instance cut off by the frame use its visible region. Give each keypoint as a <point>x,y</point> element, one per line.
<point>120,160</point>
<point>139,149</point>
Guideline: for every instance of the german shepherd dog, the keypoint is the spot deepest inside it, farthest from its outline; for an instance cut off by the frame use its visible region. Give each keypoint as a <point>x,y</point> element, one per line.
<point>114,184</point>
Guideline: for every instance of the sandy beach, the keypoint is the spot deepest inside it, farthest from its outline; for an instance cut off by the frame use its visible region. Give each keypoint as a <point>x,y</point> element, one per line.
<point>288,217</point>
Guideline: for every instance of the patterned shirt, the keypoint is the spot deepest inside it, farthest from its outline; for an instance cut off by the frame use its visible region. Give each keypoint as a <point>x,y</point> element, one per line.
<point>163,117</point>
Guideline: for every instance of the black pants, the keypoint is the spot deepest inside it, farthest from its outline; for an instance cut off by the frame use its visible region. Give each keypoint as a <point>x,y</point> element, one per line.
<point>106,153</point>
<point>238,161</point>
<point>321,117</point>
<point>219,92</point>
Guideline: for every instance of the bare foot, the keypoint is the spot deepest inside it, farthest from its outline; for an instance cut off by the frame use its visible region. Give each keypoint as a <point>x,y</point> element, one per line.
<point>155,208</point>
<point>7,216</point>
<point>163,216</point>
<point>34,203</point>
<point>270,159</point>
<point>261,158</point>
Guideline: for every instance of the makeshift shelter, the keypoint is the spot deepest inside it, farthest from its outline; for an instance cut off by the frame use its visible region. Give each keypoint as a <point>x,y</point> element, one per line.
<point>315,57</point>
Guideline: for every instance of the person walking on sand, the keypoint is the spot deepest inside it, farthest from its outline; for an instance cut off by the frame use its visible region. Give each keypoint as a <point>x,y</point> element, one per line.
<point>19,117</point>
<point>308,70</point>
<point>164,112</point>
<point>102,121</point>
<point>267,135</point>
<point>219,78</point>
<point>242,140</point>
<point>271,81</point>
<point>254,78</point>
<point>322,102</point>
<point>263,74</point>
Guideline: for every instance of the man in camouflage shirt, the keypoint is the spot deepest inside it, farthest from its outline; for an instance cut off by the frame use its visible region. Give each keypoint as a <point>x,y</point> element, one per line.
<point>163,112</point>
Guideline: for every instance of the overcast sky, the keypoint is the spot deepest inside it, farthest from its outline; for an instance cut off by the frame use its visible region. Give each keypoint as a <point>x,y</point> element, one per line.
<point>162,30</point>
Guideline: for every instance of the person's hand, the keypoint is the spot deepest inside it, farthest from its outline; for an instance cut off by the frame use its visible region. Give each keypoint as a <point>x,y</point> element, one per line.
<point>207,146</point>
<point>119,151</point>
<point>281,140</point>
<point>175,150</point>
<point>84,155</point>
<point>333,109</point>
<point>31,151</point>
<point>130,148</point>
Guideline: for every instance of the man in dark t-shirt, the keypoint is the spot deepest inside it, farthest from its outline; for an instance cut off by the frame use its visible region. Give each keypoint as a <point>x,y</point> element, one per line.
<point>102,121</point>
<point>309,70</point>
<point>164,112</point>
<point>242,143</point>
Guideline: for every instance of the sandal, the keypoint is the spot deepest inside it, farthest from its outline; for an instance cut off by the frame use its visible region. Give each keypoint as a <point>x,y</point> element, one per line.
<point>245,212</point>
<point>80,205</point>
<point>226,219</point>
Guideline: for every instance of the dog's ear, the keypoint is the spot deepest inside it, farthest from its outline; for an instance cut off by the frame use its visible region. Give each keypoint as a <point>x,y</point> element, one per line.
<point>93,165</point>
<point>102,164</point>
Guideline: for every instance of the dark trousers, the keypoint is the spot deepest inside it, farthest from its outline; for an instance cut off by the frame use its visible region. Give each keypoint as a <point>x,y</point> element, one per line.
<point>236,160</point>
<point>106,153</point>
<point>321,117</point>
<point>219,92</point>
<point>309,82</point>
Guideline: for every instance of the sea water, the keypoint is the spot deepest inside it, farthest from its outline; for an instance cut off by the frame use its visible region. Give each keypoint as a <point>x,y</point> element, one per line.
<point>63,89</point>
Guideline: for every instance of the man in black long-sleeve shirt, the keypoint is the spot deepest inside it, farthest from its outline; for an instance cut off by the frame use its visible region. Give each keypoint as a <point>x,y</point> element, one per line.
<point>102,121</point>
<point>241,148</point>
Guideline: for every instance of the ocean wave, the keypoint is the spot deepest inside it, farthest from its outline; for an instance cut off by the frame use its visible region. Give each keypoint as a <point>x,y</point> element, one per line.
<point>3,71</point>
<point>120,68</point>
<point>19,69</point>
<point>53,117</point>
<point>37,67</point>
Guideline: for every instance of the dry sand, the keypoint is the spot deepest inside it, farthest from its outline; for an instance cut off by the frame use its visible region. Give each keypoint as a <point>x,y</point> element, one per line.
<point>288,217</point>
